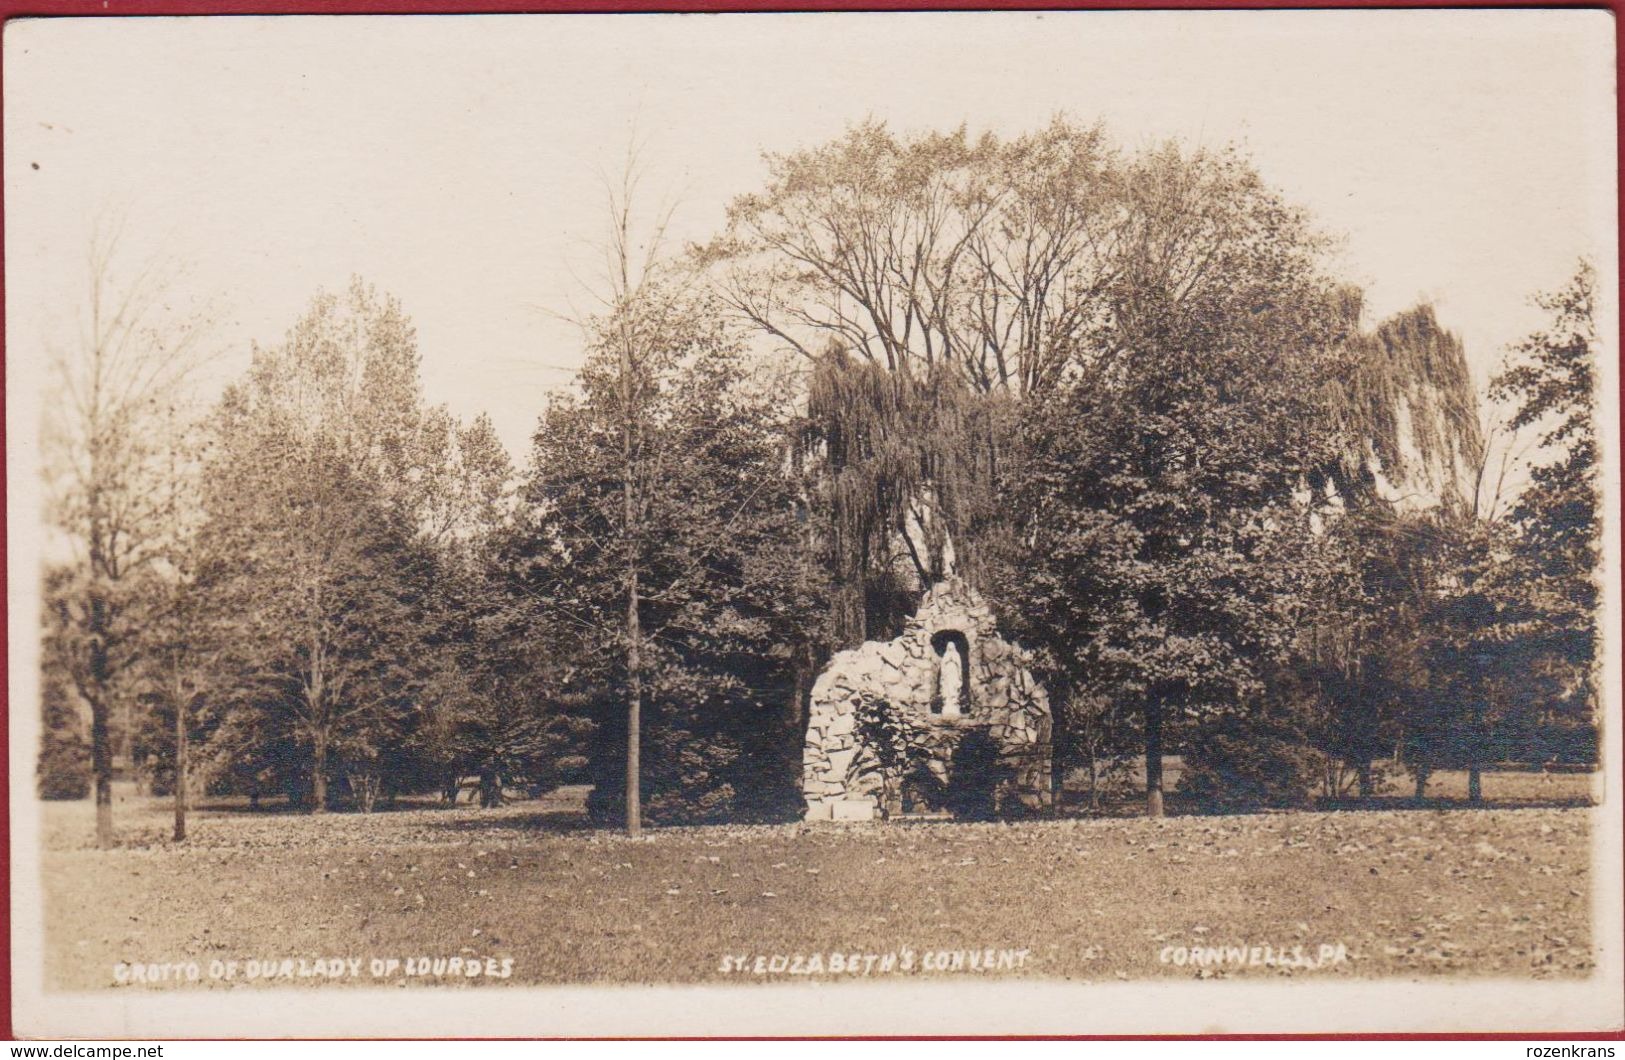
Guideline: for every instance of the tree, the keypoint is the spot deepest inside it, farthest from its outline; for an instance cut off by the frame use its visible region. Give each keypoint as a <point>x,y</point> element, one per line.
<point>182,626</point>
<point>1163,562</point>
<point>902,468</point>
<point>983,258</point>
<point>326,488</point>
<point>1510,632</point>
<point>1512,637</point>
<point>1406,413</point>
<point>1164,548</point>
<point>930,280</point>
<point>654,351</point>
<point>714,545</point>
<point>1556,519</point>
<point>496,701</point>
<point>112,390</point>
<point>1360,658</point>
<point>1411,472</point>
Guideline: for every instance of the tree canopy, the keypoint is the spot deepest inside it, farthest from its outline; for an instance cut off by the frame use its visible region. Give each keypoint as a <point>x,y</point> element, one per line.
<point>1123,393</point>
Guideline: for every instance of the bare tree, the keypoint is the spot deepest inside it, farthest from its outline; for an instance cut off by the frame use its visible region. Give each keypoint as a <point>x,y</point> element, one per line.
<point>629,271</point>
<point>987,259</point>
<point>111,391</point>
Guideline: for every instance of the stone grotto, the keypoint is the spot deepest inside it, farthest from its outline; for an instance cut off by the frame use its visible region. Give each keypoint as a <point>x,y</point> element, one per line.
<point>945,719</point>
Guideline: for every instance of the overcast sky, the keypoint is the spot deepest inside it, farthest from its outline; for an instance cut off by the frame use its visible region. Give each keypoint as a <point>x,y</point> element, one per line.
<point>1467,157</point>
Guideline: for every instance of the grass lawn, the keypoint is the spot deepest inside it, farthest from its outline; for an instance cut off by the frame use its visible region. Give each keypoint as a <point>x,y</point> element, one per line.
<point>1502,891</point>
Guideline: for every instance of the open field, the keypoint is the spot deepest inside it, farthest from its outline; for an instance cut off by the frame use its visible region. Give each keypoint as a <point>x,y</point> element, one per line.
<point>1486,892</point>
<point>1510,786</point>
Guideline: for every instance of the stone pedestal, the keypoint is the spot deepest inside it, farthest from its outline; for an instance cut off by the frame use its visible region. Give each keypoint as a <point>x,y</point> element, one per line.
<point>852,810</point>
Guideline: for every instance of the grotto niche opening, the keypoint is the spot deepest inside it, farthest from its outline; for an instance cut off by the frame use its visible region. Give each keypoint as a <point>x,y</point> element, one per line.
<point>945,717</point>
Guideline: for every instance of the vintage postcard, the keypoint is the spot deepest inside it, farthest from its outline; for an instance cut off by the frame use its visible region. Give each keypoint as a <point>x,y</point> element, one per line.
<point>993,523</point>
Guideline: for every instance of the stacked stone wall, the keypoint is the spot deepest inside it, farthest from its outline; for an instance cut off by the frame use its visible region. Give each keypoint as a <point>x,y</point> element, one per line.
<point>1004,731</point>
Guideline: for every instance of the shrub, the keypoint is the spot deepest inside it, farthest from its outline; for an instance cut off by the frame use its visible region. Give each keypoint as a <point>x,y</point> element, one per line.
<point>725,761</point>
<point>64,767</point>
<point>1242,764</point>
<point>64,758</point>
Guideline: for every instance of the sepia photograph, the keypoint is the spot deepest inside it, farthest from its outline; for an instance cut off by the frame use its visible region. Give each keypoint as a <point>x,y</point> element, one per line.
<point>911,523</point>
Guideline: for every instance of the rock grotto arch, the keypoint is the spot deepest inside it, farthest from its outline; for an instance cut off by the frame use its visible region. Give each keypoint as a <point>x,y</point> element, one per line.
<point>945,717</point>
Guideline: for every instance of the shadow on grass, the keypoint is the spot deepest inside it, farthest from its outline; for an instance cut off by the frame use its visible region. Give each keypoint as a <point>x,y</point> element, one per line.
<point>538,821</point>
<point>1406,802</point>
<point>1178,806</point>
<point>555,815</point>
<point>283,807</point>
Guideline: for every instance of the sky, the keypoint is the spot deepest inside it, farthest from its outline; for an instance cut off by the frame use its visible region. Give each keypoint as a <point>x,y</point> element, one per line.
<point>1464,157</point>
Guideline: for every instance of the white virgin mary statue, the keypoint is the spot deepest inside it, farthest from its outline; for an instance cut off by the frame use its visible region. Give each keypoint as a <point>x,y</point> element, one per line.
<point>952,682</point>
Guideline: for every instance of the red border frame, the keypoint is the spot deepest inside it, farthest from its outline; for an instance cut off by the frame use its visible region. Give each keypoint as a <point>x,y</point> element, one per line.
<point>16,9</point>
<point>10,9</point>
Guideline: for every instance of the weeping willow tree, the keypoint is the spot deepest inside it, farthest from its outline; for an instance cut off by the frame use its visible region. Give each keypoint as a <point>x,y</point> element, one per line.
<point>1408,466</point>
<point>945,289</point>
<point>908,470</point>
<point>1406,412</point>
<point>958,278</point>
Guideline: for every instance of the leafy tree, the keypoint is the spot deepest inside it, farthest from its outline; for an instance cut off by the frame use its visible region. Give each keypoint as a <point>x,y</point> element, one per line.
<point>1405,411</point>
<point>902,468</point>
<point>1409,475</point>
<point>1164,551</point>
<point>1511,641</point>
<point>495,703</point>
<point>1360,664</point>
<point>722,586</point>
<point>327,488</point>
<point>1556,520</point>
<point>64,758</point>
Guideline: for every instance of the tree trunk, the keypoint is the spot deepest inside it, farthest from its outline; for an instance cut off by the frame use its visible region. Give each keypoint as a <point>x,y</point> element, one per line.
<point>364,784</point>
<point>101,737</point>
<point>634,633</point>
<point>1153,758</point>
<point>1060,752</point>
<point>101,761</point>
<point>1475,781</point>
<point>180,767</point>
<point>1368,785</point>
<point>1421,782</point>
<point>634,711</point>
<point>99,625</point>
<point>318,773</point>
<point>798,714</point>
